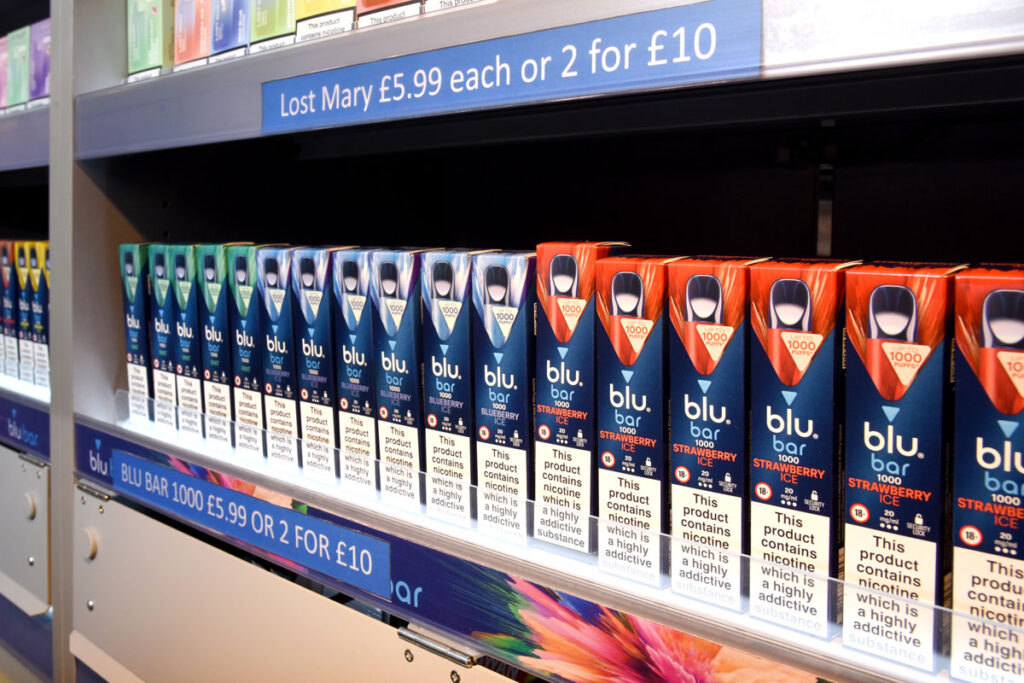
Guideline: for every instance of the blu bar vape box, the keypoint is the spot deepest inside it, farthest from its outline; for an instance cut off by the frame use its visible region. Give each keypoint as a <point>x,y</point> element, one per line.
<point>504,297</point>
<point>26,351</point>
<point>188,358</point>
<point>355,364</point>
<point>708,361</point>
<point>18,44</point>
<point>280,383</point>
<point>10,308</point>
<point>39,279</point>
<point>39,60</point>
<point>898,399</point>
<point>191,30</point>
<point>135,297</point>
<point>271,18</point>
<point>247,344</point>
<point>988,474</point>
<point>796,406</point>
<point>315,361</point>
<point>150,34</point>
<point>564,446</point>
<point>448,384</point>
<point>164,337</point>
<point>230,25</point>
<point>395,298</point>
<point>215,343</point>
<point>377,12</point>
<point>632,410</point>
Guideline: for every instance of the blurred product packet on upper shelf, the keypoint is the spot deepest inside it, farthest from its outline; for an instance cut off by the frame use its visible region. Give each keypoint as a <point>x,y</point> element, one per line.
<point>192,30</point>
<point>566,417</point>
<point>187,350</point>
<point>39,60</point>
<point>164,339</point>
<point>230,25</point>
<point>378,12</point>
<point>39,280</point>
<point>10,308</point>
<point>18,49</point>
<point>898,410</point>
<point>135,297</point>
<point>26,350</point>
<point>322,18</point>
<point>150,34</point>
<point>708,360</point>
<point>271,19</point>
<point>988,474</point>
<point>3,72</point>
<point>796,408</point>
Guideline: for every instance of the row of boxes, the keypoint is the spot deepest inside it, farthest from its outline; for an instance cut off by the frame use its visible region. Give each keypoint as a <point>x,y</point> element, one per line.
<point>25,269</point>
<point>25,64</point>
<point>794,410</point>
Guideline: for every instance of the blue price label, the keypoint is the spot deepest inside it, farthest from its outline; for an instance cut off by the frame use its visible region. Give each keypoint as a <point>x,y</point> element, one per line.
<point>26,428</point>
<point>714,40</point>
<point>343,554</point>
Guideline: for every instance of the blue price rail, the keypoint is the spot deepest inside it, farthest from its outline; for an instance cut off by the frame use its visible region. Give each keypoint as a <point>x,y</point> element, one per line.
<point>716,40</point>
<point>23,426</point>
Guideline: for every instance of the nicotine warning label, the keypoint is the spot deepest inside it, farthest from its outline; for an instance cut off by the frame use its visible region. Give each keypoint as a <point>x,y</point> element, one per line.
<point>165,399</point>
<point>990,646</point>
<point>562,508</point>
<point>282,433</point>
<point>318,442</point>
<point>217,401</point>
<point>248,424</point>
<point>449,472</point>
<point>501,494</point>
<point>358,438</point>
<point>138,392</point>
<point>630,531</point>
<point>903,567</point>
<point>786,546</point>
<point>707,528</point>
<point>190,405</point>
<point>399,465</point>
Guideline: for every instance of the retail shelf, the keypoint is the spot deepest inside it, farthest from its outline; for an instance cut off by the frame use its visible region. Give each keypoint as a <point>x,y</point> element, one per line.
<point>416,540</point>
<point>25,137</point>
<point>222,102</point>
<point>25,416</point>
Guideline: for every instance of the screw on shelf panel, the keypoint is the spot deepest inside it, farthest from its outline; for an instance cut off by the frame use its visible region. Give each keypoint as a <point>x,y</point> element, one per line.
<point>408,656</point>
<point>90,605</point>
<point>31,561</point>
<point>455,677</point>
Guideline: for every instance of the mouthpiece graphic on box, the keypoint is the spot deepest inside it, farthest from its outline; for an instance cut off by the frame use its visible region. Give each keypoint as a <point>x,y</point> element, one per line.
<point>270,268</point>
<point>790,305</point>
<point>47,258</point>
<point>33,259</point>
<point>704,299</point>
<point>627,295</point>
<point>209,268</point>
<point>389,279</point>
<point>241,270</point>
<point>159,265</point>
<point>180,272</point>
<point>444,280</point>
<point>1002,319</point>
<point>307,272</point>
<point>350,276</point>
<point>497,283</point>
<point>892,314</point>
<point>564,273</point>
<point>129,261</point>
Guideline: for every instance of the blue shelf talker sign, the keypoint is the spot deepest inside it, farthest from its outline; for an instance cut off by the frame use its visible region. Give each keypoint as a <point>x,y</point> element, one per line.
<point>715,40</point>
<point>351,557</point>
<point>25,428</point>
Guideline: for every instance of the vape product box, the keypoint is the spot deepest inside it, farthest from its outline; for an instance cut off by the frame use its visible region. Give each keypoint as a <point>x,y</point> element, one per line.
<point>164,339</point>
<point>504,298</point>
<point>247,344</point>
<point>271,19</point>
<point>377,12</point>
<point>397,329</point>
<point>150,34</point>
<point>796,409</point>
<point>355,364</point>
<point>188,358</point>
<point>10,308</point>
<point>192,35</point>
<point>215,342</point>
<point>230,25</point>
<point>322,18</point>
<point>280,381</point>
<point>898,399</point>
<point>39,280</point>
<point>448,384</point>
<point>988,474</point>
<point>317,381</point>
<point>632,415</point>
<point>135,297</point>
<point>17,66</point>
<point>39,60</point>
<point>26,350</point>
<point>3,71</point>
<point>564,445</point>
<point>708,361</point>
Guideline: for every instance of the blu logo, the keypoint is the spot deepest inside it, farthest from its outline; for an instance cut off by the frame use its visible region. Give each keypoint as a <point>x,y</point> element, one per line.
<point>704,412</point>
<point>561,375</point>
<point>788,426</point>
